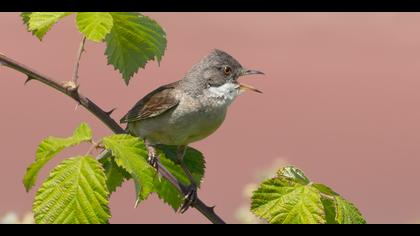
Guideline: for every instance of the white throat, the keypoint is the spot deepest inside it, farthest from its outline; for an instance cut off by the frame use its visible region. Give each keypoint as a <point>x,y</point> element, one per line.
<point>224,94</point>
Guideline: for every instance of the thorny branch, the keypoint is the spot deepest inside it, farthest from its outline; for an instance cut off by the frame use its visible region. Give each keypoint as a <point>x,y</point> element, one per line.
<point>104,116</point>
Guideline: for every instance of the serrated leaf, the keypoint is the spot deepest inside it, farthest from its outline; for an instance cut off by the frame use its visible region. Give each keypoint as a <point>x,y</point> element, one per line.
<point>346,213</point>
<point>291,197</point>
<point>134,40</point>
<point>195,163</point>
<point>50,147</point>
<point>281,201</point>
<point>25,17</point>
<point>168,193</point>
<point>94,25</point>
<point>130,154</point>
<point>193,159</point>
<point>115,175</point>
<point>75,192</point>
<point>40,22</point>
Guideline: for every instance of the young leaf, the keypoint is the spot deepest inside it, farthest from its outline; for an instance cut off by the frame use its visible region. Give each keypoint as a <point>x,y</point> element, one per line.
<point>294,173</point>
<point>290,197</point>
<point>195,163</point>
<point>130,154</point>
<point>345,212</point>
<point>115,175</point>
<point>74,193</point>
<point>25,17</point>
<point>50,147</point>
<point>282,201</point>
<point>40,22</point>
<point>94,25</point>
<point>134,40</point>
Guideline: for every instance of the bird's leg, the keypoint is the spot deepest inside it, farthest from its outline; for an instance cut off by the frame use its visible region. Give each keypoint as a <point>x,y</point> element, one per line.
<point>153,158</point>
<point>191,196</point>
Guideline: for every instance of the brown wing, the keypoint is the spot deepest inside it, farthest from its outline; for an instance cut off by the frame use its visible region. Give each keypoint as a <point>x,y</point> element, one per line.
<point>153,104</point>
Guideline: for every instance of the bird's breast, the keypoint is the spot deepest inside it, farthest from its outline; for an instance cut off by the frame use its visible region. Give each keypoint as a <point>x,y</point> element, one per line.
<point>193,119</point>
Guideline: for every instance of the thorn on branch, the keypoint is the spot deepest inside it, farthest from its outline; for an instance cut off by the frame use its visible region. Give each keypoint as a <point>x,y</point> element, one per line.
<point>110,111</point>
<point>27,79</point>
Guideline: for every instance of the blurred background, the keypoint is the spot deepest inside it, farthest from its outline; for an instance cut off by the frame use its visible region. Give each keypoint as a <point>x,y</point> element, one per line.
<point>341,101</point>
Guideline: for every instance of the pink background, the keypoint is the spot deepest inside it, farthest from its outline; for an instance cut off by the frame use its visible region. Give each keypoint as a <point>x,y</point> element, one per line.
<point>341,101</point>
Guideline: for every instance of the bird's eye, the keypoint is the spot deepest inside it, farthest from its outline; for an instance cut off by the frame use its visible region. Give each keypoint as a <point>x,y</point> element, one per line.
<point>227,70</point>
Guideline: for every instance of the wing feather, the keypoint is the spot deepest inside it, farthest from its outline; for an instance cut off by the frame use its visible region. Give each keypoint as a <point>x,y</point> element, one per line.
<point>153,104</point>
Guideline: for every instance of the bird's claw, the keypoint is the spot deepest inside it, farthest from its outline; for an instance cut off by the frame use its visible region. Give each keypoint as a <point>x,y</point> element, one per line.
<point>189,199</point>
<point>153,160</point>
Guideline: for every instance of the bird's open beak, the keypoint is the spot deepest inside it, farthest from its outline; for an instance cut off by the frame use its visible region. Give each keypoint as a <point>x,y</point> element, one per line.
<point>244,87</point>
<point>251,72</point>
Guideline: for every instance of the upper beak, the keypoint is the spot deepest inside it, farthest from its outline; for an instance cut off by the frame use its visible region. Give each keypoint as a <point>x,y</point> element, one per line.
<point>251,72</point>
<point>244,87</point>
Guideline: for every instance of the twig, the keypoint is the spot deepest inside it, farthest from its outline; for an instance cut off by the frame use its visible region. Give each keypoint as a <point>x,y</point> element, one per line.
<point>94,145</point>
<point>31,74</point>
<point>79,56</point>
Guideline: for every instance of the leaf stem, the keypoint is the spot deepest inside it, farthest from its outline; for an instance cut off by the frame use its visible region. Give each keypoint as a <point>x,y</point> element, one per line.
<point>75,76</point>
<point>103,116</point>
<point>91,148</point>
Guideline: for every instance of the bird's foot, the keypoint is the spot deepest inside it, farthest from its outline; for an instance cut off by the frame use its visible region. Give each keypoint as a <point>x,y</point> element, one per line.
<point>190,198</point>
<point>153,159</point>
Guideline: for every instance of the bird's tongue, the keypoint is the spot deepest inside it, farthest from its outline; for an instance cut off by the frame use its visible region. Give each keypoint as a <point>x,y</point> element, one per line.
<point>245,87</point>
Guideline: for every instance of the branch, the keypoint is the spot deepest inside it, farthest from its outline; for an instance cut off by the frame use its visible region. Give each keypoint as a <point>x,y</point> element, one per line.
<point>207,211</point>
<point>79,56</point>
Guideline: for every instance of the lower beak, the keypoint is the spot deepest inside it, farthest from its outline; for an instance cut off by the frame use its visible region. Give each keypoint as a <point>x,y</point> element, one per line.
<point>244,87</point>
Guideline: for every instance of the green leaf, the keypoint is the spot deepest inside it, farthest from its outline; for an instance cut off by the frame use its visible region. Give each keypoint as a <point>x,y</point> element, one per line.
<point>94,25</point>
<point>281,201</point>
<point>74,193</point>
<point>134,40</point>
<point>130,154</point>
<point>115,175</point>
<point>40,22</point>
<point>50,147</point>
<point>195,163</point>
<point>25,17</point>
<point>329,208</point>
<point>347,213</point>
<point>193,159</point>
<point>291,197</point>
<point>344,211</point>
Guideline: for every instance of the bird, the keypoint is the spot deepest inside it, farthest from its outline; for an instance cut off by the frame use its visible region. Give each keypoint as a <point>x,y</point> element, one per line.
<point>188,110</point>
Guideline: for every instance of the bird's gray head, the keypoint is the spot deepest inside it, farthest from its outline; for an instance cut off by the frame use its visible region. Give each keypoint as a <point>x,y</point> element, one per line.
<point>215,70</point>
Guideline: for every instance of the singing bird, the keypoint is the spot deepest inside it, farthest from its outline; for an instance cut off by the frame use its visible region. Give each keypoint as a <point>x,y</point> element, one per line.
<point>190,109</point>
